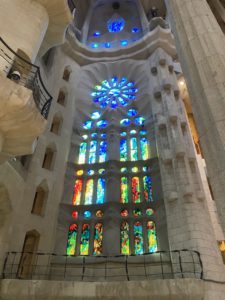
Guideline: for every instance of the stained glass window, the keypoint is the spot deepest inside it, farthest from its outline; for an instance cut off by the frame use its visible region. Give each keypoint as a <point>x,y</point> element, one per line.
<point>125,122</point>
<point>124,213</point>
<point>144,149</point>
<point>149,211</point>
<point>92,152</point>
<point>137,212</point>
<point>85,238</point>
<point>125,240</point>
<point>123,150</point>
<point>98,236</point>
<point>116,23</point>
<point>87,214</point>
<point>102,151</point>
<point>124,190</point>
<point>102,124</point>
<point>89,191</point>
<point>114,92</point>
<point>101,171</point>
<point>91,172</point>
<point>100,191</point>
<point>152,240</point>
<point>77,192</point>
<point>136,197</point>
<point>139,121</point>
<point>80,172</point>
<point>88,124</point>
<point>147,188</point>
<point>95,115</point>
<point>99,214</point>
<point>82,154</point>
<point>133,149</point>
<point>72,239</point>
<point>138,239</point>
<point>132,112</point>
<point>75,215</point>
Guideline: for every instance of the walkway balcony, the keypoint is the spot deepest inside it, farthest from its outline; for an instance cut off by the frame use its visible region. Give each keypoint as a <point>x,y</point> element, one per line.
<point>24,103</point>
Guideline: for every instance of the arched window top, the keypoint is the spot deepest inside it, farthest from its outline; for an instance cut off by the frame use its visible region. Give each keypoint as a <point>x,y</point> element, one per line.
<point>62,96</point>
<point>49,157</point>
<point>56,123</point>
<point>66,73</point>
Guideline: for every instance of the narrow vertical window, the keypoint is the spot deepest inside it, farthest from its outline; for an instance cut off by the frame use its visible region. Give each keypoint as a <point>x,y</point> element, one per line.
<point>92,152</point>
<point>82,154</point>
<point>152,240</point>
<point>85,239</point>
<point>124,190</point>
<point>136,196</point>
<point>144,149</point>
<point>89,191</point>
<point>98,237</point>
<point>77,191</point>
<point>138,239</point>
<point>125,240</point>
<point>100,191</point>
<point>133,149</point>
<point>123,150</point>
<point>147,189</point>
<point>72,239</point>
<point>102,151</point>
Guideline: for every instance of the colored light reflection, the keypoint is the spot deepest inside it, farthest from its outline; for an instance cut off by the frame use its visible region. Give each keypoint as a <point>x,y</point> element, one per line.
<point>138,239</point>
<point>147,189</point>
<point>144,149</point>
<point>100,191</point>
<point>124,239</point>
<point>72,239</point>
<point>124,213</point>
<point>84,241</point>
<point>136,197</point>
<point>77,191</point>
<point>152,239</point>
<point>124,190</point>
<point>98,237</point>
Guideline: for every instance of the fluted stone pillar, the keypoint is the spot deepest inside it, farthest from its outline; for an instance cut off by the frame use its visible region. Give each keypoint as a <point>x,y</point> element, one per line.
<point>201,50</point>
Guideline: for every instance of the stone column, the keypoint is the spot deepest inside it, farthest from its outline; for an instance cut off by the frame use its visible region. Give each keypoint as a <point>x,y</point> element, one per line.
<point>201,50</point>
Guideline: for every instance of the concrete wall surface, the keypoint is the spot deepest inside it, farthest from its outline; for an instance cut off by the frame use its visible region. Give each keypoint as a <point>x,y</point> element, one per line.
<point>174,289</point>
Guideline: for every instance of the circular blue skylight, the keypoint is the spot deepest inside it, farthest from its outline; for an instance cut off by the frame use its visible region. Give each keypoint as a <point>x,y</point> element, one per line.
<point>114,92</point>
<point>116,24</point>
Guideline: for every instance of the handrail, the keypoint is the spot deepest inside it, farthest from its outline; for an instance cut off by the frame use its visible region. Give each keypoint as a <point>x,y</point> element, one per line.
<point>50,266</point>
<point>29,75</point>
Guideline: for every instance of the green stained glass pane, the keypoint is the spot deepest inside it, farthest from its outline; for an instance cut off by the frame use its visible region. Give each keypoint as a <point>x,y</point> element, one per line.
<point>136,197</point>
<point>72,239</point>
<point>125,240</point>
<point>138,239</point>
<point>100,191</point>
<point>144,149</point>
<point>152,240</point>
<point>98,237</point>
<point>92,152</point>
<point>77,191</point>
<point>147,188</point>
<point>123,150</point>
<point>133,149</point>
<point>85,238</point>
<point>89,191</point>
<point>82,154</point>
<point>124,190</point>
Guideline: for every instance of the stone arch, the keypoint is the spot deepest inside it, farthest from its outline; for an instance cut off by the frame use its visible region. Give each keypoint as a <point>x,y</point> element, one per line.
<point>40,198</point>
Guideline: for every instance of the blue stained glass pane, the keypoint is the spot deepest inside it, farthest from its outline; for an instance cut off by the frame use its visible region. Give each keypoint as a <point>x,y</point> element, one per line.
<point>94,135</point>
<point>131,84</point>
<point>92,152</point>
<point>123,150</point>
<point>91,172</point>
<point>147,189</point>
<point>135,30</point>
<point>123,133</point>
<point>100,191</point>
<point>132,112</point>
<point>133,131</point>
<point>87,214</point>
<point>145,169</point>
<point>102,123</point>
<point>94,45</point>
<point>143,132</point>
<point>133,149</point>
<point>82,154</point>
<point>124,43</point>
<point>88,124</point>
<point>116,24</point>
<point>107,45</point>
<point>139,121</point>
<point>102,151</point>
<point>96,34</point>
<point>125,122</point>
<point>103,135</point>
<point>95,115</point>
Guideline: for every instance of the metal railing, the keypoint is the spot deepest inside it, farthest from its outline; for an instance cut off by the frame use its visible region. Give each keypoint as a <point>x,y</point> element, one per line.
<point>159,265</point>
<point>26,74</point>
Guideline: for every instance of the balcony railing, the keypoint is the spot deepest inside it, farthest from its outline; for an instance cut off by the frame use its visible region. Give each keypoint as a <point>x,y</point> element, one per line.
<point>24,73</point>
<point>159,265</point>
